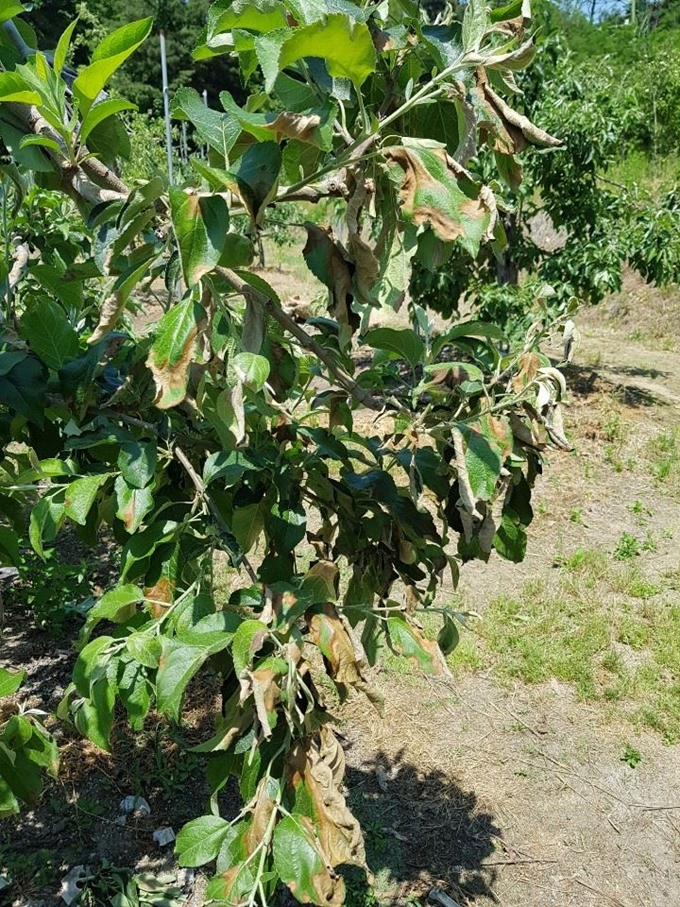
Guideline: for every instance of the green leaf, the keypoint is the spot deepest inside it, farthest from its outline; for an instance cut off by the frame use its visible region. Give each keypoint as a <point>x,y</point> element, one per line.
<point>487,443</point>
<point>102,111</point>
<point>137,462</point>
<point>219,130</point>
<point>114,606</point>
<point>89,667</point>
<point>81,495</point>
<point>9,547</point>
<point>22,388</point>
<point>172,352</point>
<point>229,466</point>
<point>145,648</point>
<point>10,681</point>
<point>251,370</point>
<point>108,56</point>
<point>42,141</point>
<point>405,343</point>
<point>449,636</point>
<point>49,333</point>
<point>200,840</point>
<point>475,24</point>
<point>301,865</point>
<point>94,718</point>
<point>395,265</point>
<point>10,8</point>
<point>183,657</point>
<point>238,251</point>
<point>248,639</point>
<point>15,89</point>
<point>344,45</point>
<point>200,224</point>
<point>259,16</point>
<point>247,525</point>
<point>286,527</point>
<point>46,519</point>
<point>63,45</point>
<point>177,665</point>
<point>510,540</point>
<point>256,176</point>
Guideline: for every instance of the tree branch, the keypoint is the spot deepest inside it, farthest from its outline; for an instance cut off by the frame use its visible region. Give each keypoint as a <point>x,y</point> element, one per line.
<point>365,397</point>
<point>202,491</point>
<point>80,180</point>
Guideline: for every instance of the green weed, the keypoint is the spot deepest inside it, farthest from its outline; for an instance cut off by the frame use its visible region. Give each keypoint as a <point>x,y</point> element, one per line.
<point>631,756</point>
<point>627,547</point>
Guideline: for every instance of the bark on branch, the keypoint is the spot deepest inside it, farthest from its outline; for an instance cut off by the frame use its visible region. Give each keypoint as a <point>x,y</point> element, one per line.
<point>365,397</point>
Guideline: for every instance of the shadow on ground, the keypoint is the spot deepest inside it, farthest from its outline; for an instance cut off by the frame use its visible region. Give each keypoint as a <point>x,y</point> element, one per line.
<point>421,829</point>
<point>583,380</point>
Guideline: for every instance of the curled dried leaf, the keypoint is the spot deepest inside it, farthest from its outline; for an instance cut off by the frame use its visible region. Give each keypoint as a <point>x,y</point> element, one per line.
<point>317,763</point>
<point>517,122</point>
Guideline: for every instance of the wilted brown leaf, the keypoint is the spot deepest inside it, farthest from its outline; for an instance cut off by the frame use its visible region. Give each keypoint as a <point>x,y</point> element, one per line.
<point>343,653</point>
<point>317,763</point>
<point>299,126</point>
<point>438,191</point>
<point>111,311</point>
<point>326,260</point>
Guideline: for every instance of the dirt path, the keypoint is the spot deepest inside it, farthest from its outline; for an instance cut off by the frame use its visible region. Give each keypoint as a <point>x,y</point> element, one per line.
<point>518,794</point>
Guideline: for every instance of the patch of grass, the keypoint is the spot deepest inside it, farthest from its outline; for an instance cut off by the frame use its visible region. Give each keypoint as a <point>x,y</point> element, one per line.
<point>627,547</point>
<point>600,625</point>
<point>576,516</point>
<point>663,456</point>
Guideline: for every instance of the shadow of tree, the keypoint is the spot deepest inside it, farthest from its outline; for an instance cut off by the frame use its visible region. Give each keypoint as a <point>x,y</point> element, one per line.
<point>583,381</point>
<point>421,829</point>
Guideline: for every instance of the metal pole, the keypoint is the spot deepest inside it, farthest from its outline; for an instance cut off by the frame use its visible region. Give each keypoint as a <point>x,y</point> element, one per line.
<point>204,148</point>
<point>166,104</point>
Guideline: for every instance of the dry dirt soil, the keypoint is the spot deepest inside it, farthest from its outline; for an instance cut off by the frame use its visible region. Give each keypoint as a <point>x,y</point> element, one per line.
<point>498,791</point>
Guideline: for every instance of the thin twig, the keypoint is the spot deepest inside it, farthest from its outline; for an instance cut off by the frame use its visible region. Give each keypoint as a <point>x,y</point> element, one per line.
<point>516,862</point>
<point>203,492</point>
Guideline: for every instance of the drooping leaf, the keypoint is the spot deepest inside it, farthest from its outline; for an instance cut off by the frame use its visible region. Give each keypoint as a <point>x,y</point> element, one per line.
<point>301,864</point>
<point>435,190</point>
<point>406,639</point>
<point>248,639</point>
<point>255,176</point>
<point>200,223</point>
<point>172,352</point>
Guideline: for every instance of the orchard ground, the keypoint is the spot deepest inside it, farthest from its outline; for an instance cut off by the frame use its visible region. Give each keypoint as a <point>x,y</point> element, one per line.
<point>547,771</point>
